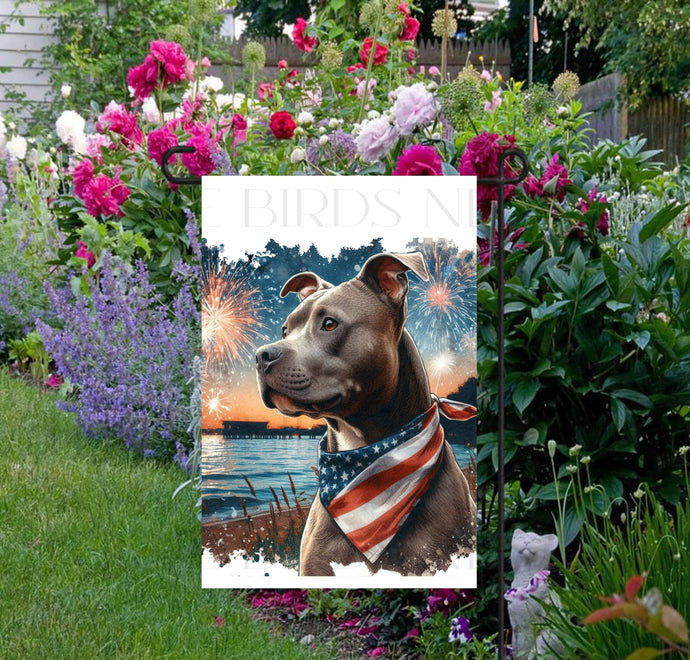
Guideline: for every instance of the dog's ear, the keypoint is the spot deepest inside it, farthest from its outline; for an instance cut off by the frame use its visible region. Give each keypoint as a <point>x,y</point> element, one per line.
<point>386,273</point>
<point>304,284</point>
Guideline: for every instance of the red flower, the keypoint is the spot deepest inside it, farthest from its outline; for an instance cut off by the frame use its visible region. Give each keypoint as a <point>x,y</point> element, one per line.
<point>282,64</point>
<point>282,125</point>
<point>159,141</point>
<point>301,40</point>
<point>116,119</point>
<point>555,179</point>
<point>104,196</point>
<point>410,29</point>
<point>380,53</point>
<point>480,159</point>
<point>355,67</point>
<point>484,252</point>
<point>82,175</point>
<point>83,253</point>
<point>167,63</point>
<point>219,621</point>
<point>404,9</point>
<point>419,160</point>
<point>202,161</point>
<point>532,186</point>
<point>239,123</point>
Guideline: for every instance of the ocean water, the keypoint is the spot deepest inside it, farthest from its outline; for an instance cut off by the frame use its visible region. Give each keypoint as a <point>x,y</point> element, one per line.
<point>266,462</point>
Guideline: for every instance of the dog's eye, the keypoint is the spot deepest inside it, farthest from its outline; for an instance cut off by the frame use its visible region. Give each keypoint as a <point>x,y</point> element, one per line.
<point>329,324</point>
<point>284,332</point>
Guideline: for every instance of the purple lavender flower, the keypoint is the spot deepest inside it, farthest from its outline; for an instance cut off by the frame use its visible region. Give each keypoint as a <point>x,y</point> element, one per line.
<point>460,630</point>
<point>128,356</point>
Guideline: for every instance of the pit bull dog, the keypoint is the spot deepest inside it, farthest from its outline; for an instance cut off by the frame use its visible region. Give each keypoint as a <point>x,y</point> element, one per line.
<point>391,493</point>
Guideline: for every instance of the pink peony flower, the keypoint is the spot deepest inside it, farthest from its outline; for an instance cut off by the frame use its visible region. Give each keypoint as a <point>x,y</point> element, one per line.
<point>434,71</point>
<point>54,381</point>
<point>376,139</point>
<point>105,196</point>
<point>410,29</point>
<point>418,160</point>
<point>116,119</point>
<point>166,64</point>
<point>205,62</point>
<point>602,224</point>
<point>533,187</point>
<point>495,101</point>
<point>202,161</point>
<point>414,107</point>
<point>265,91</point>
<point>83,253</point>
<point>380,52</point>
<point>94,143</point>
<point>159,141</point>
<point>372,85</point>
<point>404,9</point>
<point>555,179</point>
<point>239,122</point>
<point>82,175</point>
<point>480,159</point>
<point>282,64</point>
<point>301,40</point>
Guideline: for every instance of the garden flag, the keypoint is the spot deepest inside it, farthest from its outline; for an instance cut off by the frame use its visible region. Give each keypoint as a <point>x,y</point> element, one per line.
<point>339,382</point>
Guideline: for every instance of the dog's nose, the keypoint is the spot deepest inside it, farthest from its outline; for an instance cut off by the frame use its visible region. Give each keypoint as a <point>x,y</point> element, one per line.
<point>266,357</point>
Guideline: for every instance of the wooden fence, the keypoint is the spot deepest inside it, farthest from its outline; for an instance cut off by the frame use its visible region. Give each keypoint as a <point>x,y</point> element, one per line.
<point>665,122</point>
<point>429,53</point>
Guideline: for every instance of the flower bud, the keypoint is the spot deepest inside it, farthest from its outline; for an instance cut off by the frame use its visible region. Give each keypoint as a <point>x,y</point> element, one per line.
<point>551,444</point>
<point>65,90</point>
<point>298,155</point>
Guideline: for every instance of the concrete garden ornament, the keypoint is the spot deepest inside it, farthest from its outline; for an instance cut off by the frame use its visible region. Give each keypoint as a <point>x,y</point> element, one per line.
<point>529,556</point>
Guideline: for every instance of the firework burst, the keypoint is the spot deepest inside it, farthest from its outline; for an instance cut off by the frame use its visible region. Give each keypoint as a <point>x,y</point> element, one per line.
<point>443,310</point>
<point>230,317</point>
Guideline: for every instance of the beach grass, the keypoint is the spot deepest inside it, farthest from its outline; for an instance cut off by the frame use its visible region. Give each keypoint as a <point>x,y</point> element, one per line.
<point>97,559</point>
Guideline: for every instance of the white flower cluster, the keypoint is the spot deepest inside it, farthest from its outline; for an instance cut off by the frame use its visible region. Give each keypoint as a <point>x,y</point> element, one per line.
<point>70,129</point>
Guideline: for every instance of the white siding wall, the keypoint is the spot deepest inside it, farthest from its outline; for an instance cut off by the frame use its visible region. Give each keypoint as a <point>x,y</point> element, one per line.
<point>20,43</point>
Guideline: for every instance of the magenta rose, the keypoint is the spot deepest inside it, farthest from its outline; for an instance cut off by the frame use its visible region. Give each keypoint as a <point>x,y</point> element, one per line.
<point>418,160</point>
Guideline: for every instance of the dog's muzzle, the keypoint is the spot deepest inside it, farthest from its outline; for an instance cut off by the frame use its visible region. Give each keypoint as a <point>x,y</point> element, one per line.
<point>266,357</point>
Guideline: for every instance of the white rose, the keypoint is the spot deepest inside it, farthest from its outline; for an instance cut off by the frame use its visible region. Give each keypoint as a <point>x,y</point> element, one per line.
<point>244,170</point>
<point>298,155</point>
<point>16,147</point>
<point>305,118</point>
<point>70,127</point>
<point>65,90</point>
<point>150,109</point>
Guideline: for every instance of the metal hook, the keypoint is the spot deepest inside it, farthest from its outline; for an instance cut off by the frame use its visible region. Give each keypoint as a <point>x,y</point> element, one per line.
<point>180,180</point>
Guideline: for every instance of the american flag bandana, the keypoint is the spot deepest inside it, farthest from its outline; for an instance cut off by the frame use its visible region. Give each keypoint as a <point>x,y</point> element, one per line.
<point>371,491</point>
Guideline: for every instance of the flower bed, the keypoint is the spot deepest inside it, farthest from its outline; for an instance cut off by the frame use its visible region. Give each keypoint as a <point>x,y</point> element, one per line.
<point>597,264</point>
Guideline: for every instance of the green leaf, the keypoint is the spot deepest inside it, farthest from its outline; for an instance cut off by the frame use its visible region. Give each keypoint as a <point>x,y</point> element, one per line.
<point>644,653</point>
<point>636,397</point>
<point>642,339</point>
<point>618,412</point>
<point>449,170</point>
<point>657,221</point>
<point>524,393</point>
<point>615,305</point>
<point>531,437</point>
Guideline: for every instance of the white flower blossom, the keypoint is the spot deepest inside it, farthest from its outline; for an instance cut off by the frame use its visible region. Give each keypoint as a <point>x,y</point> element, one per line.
<point>70,128</point>
<point>244,170</point>
<point>305,118</point>
<point>211,84</point>
<point>323,140</point>
<point>65,91</point>
<point>16,147</point>
<point>298,155</point>
<point>150,110</point>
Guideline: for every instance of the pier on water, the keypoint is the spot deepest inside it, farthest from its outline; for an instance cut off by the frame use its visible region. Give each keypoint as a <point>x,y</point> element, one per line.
<point>260,430</point>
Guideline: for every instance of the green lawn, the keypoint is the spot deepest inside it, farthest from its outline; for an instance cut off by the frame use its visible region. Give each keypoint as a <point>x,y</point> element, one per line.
<point>96,559</point>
